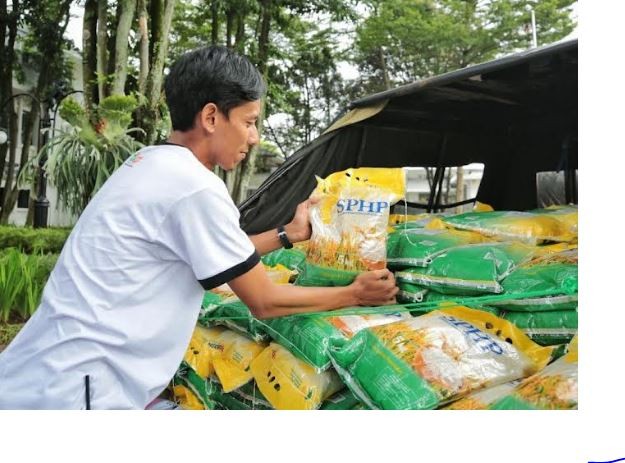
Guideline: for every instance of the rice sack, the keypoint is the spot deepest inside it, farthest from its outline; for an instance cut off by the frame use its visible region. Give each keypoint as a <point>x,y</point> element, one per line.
<point>236,316</point>
<point>349,225</point>
<point>232,362</point>
<point>428,361</point>
<point>545,327</point>
<point>483,399</point>
<point>203,345</point>
<point>566,214</point>
<point>554,273</point>
<point>417,247</point>
<point>468,270</point>
<point>343,400</point>
<point>554,388</point>
<point>309,337</point>
<point>291,384</point>
<point>292,258</point>
<point>247,397</point>
<point>410,293</point>
<point>190,389</point>
<point>528,227</point>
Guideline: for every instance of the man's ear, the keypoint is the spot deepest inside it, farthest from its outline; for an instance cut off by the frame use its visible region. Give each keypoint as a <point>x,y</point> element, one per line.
<point>208,117</point>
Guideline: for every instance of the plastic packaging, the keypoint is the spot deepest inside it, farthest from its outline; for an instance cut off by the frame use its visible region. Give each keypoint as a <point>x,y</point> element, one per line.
<point>427,361</point>
<point>470,269</point>
<point>554,388</point>
<point>528,227</point>
<point>289,383</point>
<point>349,225</point>
<point>309,337</point>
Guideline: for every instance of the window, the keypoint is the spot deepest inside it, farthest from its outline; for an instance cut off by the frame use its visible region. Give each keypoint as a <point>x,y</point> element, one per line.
<point>22,199</point>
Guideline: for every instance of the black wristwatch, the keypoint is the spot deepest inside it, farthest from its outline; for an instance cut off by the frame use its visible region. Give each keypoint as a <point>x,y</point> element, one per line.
<point>286,244</point>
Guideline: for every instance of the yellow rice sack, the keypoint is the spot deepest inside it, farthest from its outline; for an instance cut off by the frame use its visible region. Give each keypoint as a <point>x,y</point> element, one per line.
<point>349,224</point>
<point>232,362</point>
<point>291,384</point>
<point>204,342</point>
<point>529,227</point>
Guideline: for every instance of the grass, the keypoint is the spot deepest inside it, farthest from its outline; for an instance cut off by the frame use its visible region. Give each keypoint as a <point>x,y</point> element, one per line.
<point>7,332</point>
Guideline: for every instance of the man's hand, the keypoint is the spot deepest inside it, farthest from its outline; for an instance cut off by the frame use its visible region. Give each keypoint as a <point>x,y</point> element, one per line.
<point>376,287</point>
<point>299,229</point>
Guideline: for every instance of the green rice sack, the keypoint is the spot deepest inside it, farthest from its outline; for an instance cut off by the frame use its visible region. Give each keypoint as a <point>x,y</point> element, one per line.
<point>409,293</point>
<point>248,397</point>
<point>468,270</point>
<point>417,247</point>
<point>309,337</point>
<point>187,377</point>
<point>528,227</point>
<point>555,273</point>
<point>554,388</point>
<point>290,258</point>
<point>343,400</point>
<point>545,327</point>
<point>236,316</point>
<point>427,361</point>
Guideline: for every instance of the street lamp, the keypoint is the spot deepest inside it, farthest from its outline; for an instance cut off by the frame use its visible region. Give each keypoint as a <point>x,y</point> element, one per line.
<point>4,137</point>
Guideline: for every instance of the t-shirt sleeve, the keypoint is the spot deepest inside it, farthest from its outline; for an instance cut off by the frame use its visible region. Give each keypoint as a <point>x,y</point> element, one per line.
<point>203,230</point>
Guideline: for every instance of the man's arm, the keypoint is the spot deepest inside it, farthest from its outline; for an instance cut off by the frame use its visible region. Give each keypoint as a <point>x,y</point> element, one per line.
<point>296,230</point>
<point>267,299</point>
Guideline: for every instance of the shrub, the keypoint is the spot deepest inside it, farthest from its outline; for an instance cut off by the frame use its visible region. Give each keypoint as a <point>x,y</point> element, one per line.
<point>33,241</point>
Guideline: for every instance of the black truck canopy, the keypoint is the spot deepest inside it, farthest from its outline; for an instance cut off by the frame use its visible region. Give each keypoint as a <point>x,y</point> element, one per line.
<point>517,115</point>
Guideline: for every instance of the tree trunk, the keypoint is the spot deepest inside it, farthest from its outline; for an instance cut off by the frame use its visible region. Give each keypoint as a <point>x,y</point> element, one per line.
<point>239,40</point>
<point>387,80</point>
<point>111,44</point>
<point>246,169</point>
<point>155,77</point>
<point>121,45</point>
<point>8,25</point>
<point>214,22</point>
<point>230,17</point>
<point>144,45</point>
<point>90,56</point>
<point>156,19</point>
<point>102,48</point>
<point>11,187</point>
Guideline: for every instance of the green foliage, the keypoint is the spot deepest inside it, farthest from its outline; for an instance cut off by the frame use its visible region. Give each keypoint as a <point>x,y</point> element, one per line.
<point>22,279</point>
<point>405,40</point>
<point>33,241</point>
<point>79,160</point>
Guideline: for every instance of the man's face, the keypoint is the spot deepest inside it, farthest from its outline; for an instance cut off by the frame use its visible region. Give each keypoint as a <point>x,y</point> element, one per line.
<point>235,135</point>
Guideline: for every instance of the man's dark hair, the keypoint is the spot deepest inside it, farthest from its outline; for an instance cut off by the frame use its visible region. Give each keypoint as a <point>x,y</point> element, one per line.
<point>212,74</point>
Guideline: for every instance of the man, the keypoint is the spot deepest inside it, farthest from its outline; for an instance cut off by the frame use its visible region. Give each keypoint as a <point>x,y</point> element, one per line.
<point>119,308</point>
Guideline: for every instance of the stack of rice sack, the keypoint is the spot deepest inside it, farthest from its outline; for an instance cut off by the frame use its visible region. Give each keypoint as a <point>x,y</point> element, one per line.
<point>432,352</point>
<point>519,265</point>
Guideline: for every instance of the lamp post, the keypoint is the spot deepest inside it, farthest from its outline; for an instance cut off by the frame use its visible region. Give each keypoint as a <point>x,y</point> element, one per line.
<point>40,216</point>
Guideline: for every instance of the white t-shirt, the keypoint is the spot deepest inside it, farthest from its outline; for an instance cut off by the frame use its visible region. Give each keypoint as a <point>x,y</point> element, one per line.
<point>122,301</point>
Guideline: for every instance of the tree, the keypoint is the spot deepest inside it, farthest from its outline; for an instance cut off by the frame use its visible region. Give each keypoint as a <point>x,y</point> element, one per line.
<point>405,40</point>
<point>42,49</point>
<point>305,84</point>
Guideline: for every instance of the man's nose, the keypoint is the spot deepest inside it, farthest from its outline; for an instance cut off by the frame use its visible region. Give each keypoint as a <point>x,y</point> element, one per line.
<point>253,138</point>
